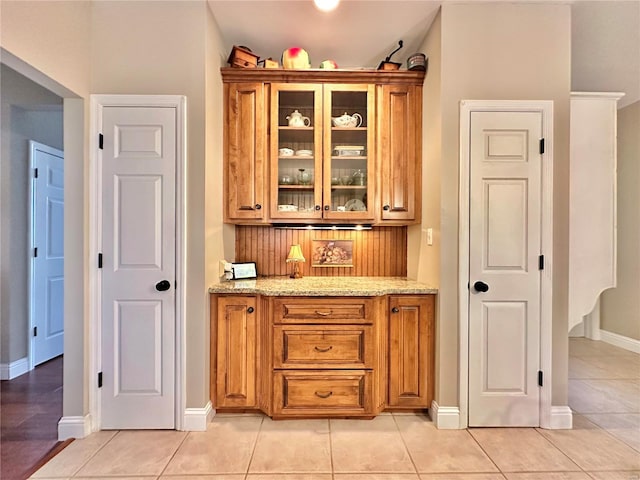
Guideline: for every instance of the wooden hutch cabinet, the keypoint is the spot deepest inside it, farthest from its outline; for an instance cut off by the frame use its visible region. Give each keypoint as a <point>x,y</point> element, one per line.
<point>411,352</point>
<point>325,356</point>
<point>400,150</point>
<point>234,378</point>
<point>314,146</point>
<point>245,153</point>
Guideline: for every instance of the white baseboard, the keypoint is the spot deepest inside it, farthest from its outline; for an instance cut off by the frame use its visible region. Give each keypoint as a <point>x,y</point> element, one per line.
<point>561,418</point>
<point>621,341</point>
<point>196,419</point>
<point>577,331</point>
<point>74,427</point>
<point>9,371</point>
<point>445,418</point>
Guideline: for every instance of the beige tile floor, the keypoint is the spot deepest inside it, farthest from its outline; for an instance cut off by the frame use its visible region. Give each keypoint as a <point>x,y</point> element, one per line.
<point>604,392</point>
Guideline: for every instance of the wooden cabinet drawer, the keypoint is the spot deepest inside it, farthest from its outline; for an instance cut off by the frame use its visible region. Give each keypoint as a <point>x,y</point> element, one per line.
<point>323,393</point>
<point>323,310</point>
<point>306,346</point>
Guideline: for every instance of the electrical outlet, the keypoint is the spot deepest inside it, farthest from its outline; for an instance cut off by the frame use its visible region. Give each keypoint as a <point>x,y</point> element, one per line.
<point>429,236</point>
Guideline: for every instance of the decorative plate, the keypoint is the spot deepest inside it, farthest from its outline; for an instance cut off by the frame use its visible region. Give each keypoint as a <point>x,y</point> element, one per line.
<point>355,205</point>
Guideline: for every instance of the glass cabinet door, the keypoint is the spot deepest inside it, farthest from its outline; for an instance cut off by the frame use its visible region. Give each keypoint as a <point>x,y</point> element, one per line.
<point>348,152</point>
<point>296,151</point>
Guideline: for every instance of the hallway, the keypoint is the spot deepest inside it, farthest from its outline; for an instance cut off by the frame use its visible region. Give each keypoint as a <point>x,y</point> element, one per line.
<point>30,407</point>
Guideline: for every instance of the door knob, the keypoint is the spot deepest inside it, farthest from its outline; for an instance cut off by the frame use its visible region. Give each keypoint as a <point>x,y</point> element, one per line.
<point>481,287</point>
<point>163,285</point>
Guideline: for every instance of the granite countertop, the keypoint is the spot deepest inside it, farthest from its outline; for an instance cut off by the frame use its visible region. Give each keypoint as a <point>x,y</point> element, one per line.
<point>324,286</point>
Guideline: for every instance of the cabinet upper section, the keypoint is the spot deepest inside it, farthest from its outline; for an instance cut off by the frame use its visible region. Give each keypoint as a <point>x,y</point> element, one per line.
<point>317,146</point>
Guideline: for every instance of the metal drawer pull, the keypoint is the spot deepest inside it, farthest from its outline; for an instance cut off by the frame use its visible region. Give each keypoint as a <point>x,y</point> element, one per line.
<point>323,349</point>
<point>324,395</point>
<point>324,314</point>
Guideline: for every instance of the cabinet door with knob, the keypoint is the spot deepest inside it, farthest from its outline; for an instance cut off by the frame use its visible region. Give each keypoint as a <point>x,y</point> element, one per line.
<point>245,153</point>
<point>411,355</point>
<point>399,145</point>
<point>235,346</point>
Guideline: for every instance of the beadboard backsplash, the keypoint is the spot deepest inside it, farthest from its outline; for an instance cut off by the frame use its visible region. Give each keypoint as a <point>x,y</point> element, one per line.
<point>380,252</point>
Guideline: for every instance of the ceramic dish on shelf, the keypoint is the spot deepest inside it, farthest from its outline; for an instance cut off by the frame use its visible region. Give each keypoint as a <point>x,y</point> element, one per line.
<point>349,150</point>
<point>304,153</point>
<point>287,208</point>
<point>355,205</point>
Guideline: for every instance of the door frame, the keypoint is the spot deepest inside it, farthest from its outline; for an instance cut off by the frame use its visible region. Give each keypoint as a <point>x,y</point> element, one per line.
<point>545,107</point>
<point>33,145</point>
<point>98,102</point>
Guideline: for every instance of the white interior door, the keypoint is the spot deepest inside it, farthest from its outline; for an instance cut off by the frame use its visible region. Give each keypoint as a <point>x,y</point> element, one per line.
<point>505,232</point>
<point>47,274</point>
<point>138,267</point>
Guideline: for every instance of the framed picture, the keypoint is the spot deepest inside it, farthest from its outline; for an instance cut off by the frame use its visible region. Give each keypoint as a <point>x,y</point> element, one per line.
<point>332,253</point>
<point>244,270</point>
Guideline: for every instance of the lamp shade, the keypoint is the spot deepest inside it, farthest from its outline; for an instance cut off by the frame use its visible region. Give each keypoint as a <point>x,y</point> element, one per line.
<point>295,254</point>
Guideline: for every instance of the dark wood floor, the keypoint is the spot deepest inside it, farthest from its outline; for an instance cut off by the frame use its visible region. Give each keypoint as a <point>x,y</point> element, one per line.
<point>30,407</point>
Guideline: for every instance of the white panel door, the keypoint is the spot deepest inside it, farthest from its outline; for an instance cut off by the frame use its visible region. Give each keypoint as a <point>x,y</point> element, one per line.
<point>47,276</point>
<point>138,274</point>
<point>504,276</point>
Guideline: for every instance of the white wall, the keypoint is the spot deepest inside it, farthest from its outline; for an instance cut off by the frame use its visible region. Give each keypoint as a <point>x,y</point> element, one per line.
<point>174,47</point>
<point>29,112</point>
<point>620,307</point>
<point>49,42</point>
<point>484,51</point>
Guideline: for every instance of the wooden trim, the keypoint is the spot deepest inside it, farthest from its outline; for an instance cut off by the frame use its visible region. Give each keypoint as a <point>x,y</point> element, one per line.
<point>55,450</point>
<point>230,74</point>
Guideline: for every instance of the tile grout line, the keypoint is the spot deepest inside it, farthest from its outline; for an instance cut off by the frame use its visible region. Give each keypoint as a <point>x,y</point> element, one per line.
<point>331,450</point>
<point>404,443</point>
<point>253,450</point>
<point>485,452</point>
<point>537,430</point>
<point>174,454</point>
<point>94,453</point>
<point>607,430</point>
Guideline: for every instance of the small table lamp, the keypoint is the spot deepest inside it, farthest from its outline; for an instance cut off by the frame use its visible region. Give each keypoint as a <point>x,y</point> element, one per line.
<point>295,256</point>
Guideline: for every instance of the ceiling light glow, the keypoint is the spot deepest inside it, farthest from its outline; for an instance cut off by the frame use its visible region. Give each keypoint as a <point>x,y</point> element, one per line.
<point>326,5</point>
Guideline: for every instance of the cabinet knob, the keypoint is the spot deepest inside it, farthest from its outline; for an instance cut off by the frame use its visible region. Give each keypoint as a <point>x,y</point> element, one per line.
<point>258,206</point>
<point>250,310</point>
<point>386,208</point>
<point>327,207</point>
<point>318,207</point>
<point>395,310</point>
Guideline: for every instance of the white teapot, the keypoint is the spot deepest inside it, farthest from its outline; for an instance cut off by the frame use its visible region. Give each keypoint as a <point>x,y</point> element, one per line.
<point>296,119</point>
<point>347,120</point>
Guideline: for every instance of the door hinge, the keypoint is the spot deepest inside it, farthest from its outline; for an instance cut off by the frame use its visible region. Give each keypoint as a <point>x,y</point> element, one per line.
<point>99,260</point>
<point>541,262</point>
<point>541,146</point>
<point>540,382</point>
<point>35,173</point>
<point>35,331</point>
<point>35,252</point>
<point>101,141</point>
<point>99,379</point>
